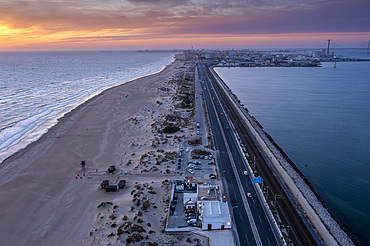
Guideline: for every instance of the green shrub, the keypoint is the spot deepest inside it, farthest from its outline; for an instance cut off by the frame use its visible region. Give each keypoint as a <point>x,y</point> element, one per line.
<point>170,129</point>
<point>146,205</point>
<point>137,228</point>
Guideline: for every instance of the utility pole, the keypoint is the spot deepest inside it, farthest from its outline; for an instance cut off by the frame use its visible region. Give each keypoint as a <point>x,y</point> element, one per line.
<point>254,162</point>
<point>327,53</point>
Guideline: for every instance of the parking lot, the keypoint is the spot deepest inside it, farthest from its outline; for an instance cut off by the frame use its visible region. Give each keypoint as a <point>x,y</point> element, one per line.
<point>198,166</point>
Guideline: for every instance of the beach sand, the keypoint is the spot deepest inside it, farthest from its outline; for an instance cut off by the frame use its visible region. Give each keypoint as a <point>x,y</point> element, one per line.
<point>44,200</point>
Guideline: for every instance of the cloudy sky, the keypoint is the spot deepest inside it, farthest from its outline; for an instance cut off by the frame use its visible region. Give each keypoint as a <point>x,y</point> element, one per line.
<point>132,24</point>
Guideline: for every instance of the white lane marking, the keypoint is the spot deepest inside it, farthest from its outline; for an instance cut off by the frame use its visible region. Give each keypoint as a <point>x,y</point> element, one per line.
<point>268,240</point>
<point>238,181</point>
<point>246,237</point>
<point>260,218</point>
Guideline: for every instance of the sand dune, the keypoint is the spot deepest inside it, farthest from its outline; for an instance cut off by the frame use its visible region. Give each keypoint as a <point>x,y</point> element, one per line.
<point>44,202</point>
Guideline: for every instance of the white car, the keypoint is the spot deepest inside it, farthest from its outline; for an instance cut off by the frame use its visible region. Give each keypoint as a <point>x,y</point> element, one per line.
<point>249,195</point>
<point>245,173</point>
<point>187,150</point>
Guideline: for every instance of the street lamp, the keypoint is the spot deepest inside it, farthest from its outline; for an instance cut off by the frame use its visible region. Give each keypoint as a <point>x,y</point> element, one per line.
<point>277,197</point>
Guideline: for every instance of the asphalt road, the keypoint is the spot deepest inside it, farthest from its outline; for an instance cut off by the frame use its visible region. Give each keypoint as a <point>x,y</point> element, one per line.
<point>253,226</point>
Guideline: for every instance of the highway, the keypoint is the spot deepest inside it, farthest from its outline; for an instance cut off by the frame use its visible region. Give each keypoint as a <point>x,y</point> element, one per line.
<point>299,231</point>
<point>252,224</point>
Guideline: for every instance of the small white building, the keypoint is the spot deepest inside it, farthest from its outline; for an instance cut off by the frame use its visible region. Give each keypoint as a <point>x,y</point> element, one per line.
<point>214,215</point>
<point>190,197</point>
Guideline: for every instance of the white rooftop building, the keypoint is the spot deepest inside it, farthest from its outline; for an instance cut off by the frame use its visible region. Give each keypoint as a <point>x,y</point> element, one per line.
<point>214,215</point>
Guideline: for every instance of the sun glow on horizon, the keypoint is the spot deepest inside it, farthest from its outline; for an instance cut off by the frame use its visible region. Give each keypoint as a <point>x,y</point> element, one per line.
<point>37,39</point>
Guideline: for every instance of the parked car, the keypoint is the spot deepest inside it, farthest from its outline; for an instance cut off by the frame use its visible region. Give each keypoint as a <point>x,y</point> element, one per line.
<point>190,217</point>
<point>192,222</point>
<point>212,176</point>
<point>111,169</point>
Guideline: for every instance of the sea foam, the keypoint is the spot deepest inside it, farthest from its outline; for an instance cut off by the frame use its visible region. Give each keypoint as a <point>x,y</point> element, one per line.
<point>34,114</point>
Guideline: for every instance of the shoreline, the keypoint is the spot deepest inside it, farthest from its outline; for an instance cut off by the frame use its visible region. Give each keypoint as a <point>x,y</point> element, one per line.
<point>36,133</point>
<point>42,200</point>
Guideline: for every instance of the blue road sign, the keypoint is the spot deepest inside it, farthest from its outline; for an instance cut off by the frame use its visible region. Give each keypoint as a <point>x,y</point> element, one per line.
<point>257,180</point>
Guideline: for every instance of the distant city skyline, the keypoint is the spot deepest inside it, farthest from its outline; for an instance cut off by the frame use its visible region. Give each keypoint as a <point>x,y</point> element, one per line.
<point>181,24</point>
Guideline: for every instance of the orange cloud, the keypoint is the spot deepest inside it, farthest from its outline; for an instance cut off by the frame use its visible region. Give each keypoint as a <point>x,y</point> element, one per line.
<point>40,24</point>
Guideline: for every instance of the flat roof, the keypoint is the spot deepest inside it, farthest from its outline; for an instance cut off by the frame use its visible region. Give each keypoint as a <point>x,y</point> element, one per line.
<point>206,192</point>
<point>215,211</point>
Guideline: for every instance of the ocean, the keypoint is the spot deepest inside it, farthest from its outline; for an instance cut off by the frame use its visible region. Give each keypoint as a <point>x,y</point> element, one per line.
<point>320,116</point>
<point>37,88</point>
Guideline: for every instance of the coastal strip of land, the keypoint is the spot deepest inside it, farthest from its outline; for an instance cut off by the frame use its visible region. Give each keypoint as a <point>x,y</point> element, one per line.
<point>48,198</point>
<point>320,219</point>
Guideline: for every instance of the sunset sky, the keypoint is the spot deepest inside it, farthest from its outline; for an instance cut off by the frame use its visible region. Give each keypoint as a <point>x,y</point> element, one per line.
<point>140,24</point>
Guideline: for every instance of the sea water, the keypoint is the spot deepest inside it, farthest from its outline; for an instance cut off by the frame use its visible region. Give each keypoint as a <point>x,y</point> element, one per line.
<point>320,117</point>
<point>37,88</point>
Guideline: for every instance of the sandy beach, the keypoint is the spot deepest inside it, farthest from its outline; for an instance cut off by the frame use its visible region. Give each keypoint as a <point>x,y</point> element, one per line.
<point>47,199</point>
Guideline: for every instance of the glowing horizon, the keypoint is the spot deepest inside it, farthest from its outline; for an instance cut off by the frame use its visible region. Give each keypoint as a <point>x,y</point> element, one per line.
<point>181,24</point>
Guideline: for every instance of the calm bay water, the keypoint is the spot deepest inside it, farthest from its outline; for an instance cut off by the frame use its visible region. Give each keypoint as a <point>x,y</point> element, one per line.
<point>37,88</point>
<point>320,117</point>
